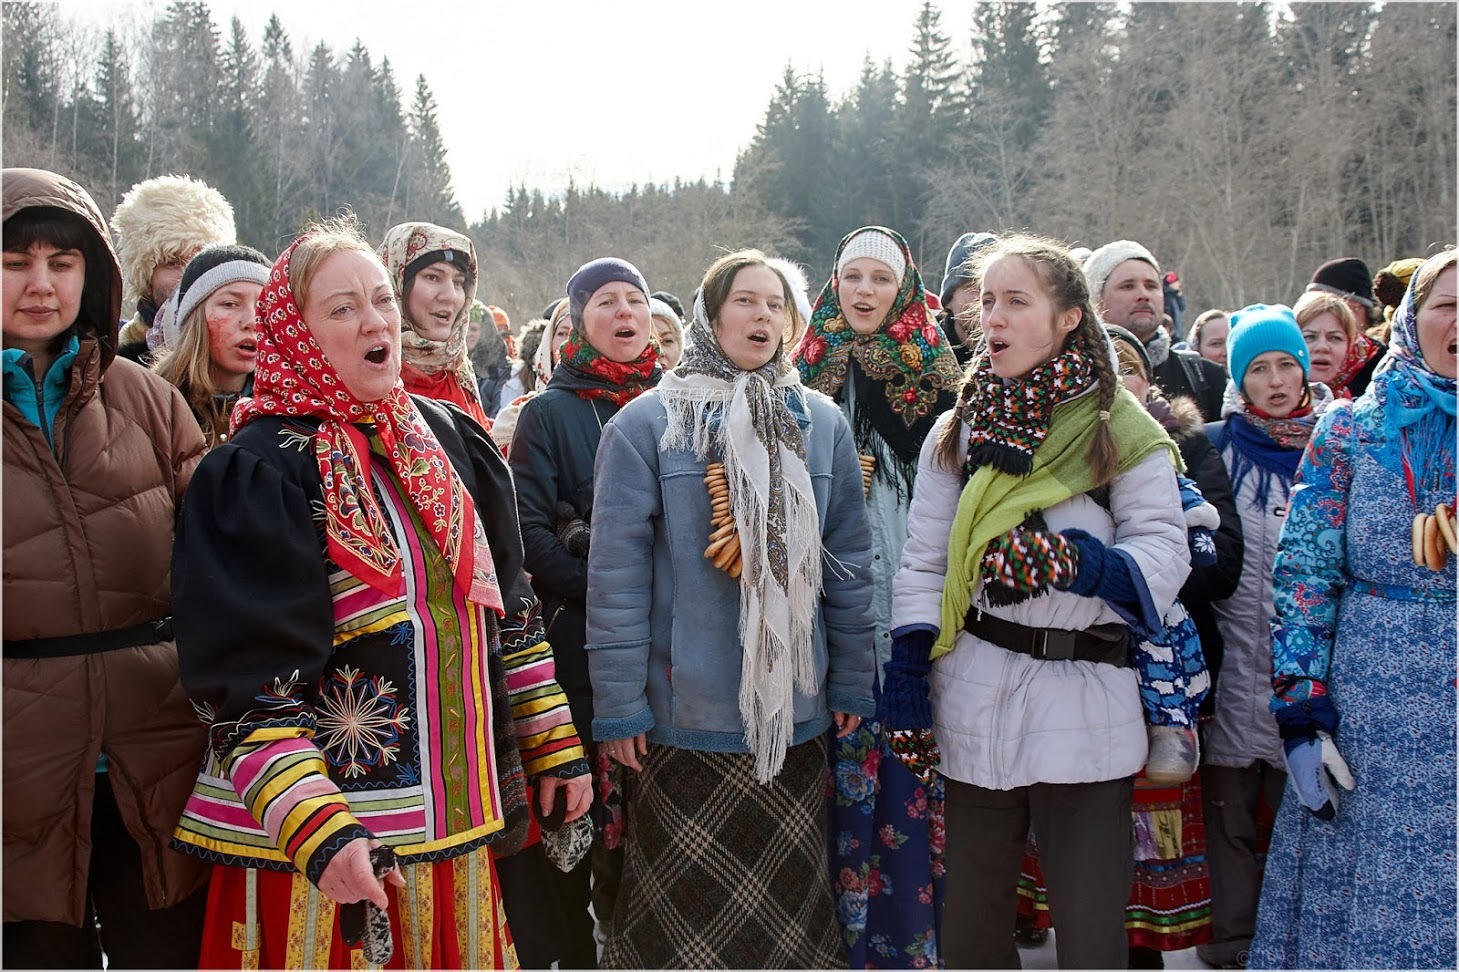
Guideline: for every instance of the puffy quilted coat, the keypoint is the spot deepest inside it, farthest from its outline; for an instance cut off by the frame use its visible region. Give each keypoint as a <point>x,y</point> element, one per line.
<point>88,541</point>
<point>1005,720</point>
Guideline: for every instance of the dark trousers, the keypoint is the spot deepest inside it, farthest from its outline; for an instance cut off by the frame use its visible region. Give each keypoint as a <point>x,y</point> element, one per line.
<point>1235,853</point>
<point>1083,834</point>
<point>133,936</point>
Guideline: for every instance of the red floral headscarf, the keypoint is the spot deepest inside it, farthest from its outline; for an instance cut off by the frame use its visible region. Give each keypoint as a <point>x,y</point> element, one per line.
<point>295,379</point>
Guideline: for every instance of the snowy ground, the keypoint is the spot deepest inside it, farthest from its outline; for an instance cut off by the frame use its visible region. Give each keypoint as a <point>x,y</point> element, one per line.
<point>1043,957</point>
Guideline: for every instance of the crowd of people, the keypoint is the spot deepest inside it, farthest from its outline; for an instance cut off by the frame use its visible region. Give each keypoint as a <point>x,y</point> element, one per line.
<point>349,626</point>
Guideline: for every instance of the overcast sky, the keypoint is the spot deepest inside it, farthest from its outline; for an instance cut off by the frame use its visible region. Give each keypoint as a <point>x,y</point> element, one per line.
<point>538,91</point>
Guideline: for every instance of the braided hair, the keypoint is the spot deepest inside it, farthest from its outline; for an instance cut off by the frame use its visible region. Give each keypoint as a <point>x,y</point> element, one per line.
<point>1066,288</point>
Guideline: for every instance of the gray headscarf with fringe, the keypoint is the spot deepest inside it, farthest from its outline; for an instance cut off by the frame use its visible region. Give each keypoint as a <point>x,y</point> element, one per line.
<point>743,419</point>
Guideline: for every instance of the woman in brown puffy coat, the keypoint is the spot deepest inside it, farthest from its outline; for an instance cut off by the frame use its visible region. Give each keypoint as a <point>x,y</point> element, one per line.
<point>100,742</point>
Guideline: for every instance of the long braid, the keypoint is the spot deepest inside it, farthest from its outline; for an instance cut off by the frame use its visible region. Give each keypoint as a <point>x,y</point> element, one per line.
<point>950,444</point>
<point>1104,453</point>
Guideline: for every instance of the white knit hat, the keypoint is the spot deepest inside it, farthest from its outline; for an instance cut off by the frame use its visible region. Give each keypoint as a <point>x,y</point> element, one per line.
<point>873,243</point>
<point>1102,262</point>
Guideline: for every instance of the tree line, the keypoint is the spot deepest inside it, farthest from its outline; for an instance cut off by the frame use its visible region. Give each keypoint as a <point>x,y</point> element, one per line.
<point>1245,144</point>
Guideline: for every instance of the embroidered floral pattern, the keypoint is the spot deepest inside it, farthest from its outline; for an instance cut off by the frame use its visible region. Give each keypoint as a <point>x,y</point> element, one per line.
<point>909,355</point>
<point>361,721</point>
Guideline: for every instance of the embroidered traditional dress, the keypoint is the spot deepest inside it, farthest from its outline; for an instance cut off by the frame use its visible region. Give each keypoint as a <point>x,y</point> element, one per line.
<point>369,661</point>
<point>1359,622</point>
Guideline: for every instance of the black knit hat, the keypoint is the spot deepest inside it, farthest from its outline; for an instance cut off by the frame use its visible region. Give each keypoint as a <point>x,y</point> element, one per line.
<point>671,300</point>
<point>1126,336</point>
<point>1346,277</point>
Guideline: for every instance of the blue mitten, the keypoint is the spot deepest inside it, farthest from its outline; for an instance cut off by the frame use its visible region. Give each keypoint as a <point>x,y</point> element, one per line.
<point>1203,546</point>
<point>1313,762</point>
<point>1201,518</point>
<point>905,702</point>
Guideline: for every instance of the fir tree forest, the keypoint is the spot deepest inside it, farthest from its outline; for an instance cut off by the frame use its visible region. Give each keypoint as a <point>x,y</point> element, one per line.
<point>1243,143</point>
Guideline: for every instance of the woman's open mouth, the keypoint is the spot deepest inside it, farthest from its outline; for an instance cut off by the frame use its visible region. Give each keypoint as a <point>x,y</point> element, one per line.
<point>247,347</point>
<point>378,355</point>
<point>758,337</point>
<point>864,308</point>
<point>997,345</point>
<point>625,333</point>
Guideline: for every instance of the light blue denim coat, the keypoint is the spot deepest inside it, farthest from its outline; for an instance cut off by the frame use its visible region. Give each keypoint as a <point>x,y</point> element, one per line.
<point>663,623</point>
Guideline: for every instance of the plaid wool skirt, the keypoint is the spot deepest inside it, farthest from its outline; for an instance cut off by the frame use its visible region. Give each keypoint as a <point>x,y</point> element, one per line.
<point>721,871</point>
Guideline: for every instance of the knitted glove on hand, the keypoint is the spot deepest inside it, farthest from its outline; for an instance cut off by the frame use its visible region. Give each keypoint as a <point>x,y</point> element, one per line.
<point>1024,562</point>
<point>905,701</point>
<point>572,530</point>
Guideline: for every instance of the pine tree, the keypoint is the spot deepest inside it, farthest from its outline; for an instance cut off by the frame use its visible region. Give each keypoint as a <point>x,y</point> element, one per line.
<point>234,142</point>
<point>930,114</point>
<point>114,125</point>
<point>277,126</point>
<point>434,200</point>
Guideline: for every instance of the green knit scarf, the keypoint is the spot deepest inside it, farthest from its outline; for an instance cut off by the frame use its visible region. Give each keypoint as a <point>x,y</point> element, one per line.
<point>994,502</point>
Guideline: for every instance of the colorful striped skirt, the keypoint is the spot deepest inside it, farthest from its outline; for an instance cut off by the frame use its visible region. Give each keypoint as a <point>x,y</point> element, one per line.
<point>1170,902</point>
<point>448,916</point>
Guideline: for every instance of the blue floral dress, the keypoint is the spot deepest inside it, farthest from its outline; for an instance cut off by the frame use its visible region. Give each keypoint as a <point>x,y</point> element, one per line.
<point>886,835</point>
<point>1356,618</point>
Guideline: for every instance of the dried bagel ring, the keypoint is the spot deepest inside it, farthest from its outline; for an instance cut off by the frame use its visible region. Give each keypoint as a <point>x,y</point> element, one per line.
<point>1445,516</point>
<point>1434,552</point>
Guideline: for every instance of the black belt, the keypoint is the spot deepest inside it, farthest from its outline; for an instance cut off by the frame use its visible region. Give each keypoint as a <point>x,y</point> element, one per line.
<point>1106,643</point>
<point>146,633</point>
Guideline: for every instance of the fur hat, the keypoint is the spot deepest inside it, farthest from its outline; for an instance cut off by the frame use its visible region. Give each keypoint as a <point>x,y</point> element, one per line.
<point>1102,262</point>
<point>875,243</point>
<point>957,271</point>
<point>1346,277</point>
<point>162,219</point>
<point>1392,281</point>
<point>794,275</point>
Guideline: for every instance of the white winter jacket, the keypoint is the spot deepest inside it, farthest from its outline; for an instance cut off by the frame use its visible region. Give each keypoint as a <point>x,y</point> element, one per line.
<point>1003,719</point>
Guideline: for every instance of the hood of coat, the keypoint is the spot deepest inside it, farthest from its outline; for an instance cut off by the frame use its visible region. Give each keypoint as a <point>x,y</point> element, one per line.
<point>1180,417</point>
<point>101,301</point>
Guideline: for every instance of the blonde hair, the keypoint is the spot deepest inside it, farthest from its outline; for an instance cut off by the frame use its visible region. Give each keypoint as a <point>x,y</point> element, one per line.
<point>1315,303</point>
<point>189,367</point>
<point>323,239</point>
<point>1424,276</point>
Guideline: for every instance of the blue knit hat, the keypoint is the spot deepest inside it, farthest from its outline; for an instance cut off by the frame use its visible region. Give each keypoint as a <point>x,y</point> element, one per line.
<point>593,275</point>
<point>957,271</point>
<point>1259,328</point>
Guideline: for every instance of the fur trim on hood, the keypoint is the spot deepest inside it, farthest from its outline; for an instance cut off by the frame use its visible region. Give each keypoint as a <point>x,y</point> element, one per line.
<point>1179,416</point>
<point>101,295</point>
<point>164,218</point>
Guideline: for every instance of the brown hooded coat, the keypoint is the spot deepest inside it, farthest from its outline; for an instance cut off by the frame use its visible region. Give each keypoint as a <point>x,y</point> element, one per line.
<point>88,543</point>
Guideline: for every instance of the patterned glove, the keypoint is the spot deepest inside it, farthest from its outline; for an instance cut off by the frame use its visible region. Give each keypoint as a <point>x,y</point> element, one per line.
<point>572,530</point>
<point>1025,561</point>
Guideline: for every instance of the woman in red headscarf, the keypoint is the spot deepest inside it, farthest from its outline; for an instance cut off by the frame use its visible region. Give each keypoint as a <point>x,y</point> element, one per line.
<point>354,625</point>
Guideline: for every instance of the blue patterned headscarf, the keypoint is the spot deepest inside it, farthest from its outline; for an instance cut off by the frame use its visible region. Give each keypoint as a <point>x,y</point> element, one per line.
<point>1413,389</point>
<point>1419,405</point>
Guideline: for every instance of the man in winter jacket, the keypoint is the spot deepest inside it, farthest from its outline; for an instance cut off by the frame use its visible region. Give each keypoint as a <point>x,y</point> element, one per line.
<point>101,745</point>
<point>1127,288</point>
<point>160,225</point>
